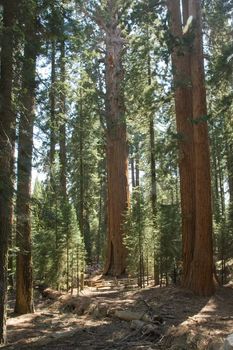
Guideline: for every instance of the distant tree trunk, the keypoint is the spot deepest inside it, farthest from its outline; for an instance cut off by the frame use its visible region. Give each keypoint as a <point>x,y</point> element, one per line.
<point>132,171</point>
<point>138,218</point>
<point>183,107</point>
<point>12,232</point>
<point>202,269</point>
<point>63,158</point>
<point>230,169</point>
<point>62,127</point>
<point>11,255</point>
<point>7,129</point>
<point>221,183</point>
<point>216,199</point>
<point>81,175</point>
<point>117,152</point>
<point>52,112</point>
<point>153,195</point>
<point>24,280</point>
<point>102,211</point>
<point>100,214</point>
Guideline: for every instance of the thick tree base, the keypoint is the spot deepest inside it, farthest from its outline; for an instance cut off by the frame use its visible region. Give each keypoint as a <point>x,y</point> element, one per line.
<point>24,309</point>
<point>115,274</point>
<point>115,271</point>
<point>197,284</point>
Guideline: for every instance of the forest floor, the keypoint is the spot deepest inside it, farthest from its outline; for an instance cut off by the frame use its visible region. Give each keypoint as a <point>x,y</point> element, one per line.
<point>173,318</point>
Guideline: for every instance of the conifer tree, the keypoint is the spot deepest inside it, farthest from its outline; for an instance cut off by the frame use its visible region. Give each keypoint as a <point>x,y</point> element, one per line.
<point>7,132</point>
<point>24,279</point>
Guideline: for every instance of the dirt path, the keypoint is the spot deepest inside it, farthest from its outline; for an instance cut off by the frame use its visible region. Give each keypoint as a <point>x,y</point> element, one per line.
<point>189,322</point>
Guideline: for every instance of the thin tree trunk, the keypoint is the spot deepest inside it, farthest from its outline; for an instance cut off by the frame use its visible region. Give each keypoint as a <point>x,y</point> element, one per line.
<point>52,113</point>
<point>152,153</point>
<point>217,211</point>
<point>62,128</point>
<point>7,129</point>
<point>98,242</point>
<point>11,243</point>
<point>137,215</point>
<point>81,175</point>
<point>63,158</point>
<point>132,172</point>
<point>24,280</point>
<point>230,170</point>
<point>221,186</point>
<point>153,196</point>
<point>153,168</point>
<point>202,269</point>
<point>102,211</point>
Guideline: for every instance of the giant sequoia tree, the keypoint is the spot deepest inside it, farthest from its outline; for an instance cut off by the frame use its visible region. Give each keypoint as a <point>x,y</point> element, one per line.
<point>191,116</point>
<point>201,269</point>
<point>183,107</point>
<point>104,78</point>
<point>24,283</point>
<point>7,132</point>
<point>108,19</point>
<point>117,153</point>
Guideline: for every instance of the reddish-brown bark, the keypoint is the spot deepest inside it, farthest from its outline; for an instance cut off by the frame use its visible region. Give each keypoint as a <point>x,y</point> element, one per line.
<point>117,150</point>
<point>191,113</point>
<point>118,198</point>
<point>183,108</point>
<point>201,272</point>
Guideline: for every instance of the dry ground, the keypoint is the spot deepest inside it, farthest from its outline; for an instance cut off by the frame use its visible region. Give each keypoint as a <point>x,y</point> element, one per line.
<point>88,322</point>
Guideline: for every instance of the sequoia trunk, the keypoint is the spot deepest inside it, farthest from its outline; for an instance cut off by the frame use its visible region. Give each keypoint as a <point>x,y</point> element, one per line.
<point>24,281</point>
<point>7,130</point>
<point>117,150</point>
<point>183,108</point>
<point>201,272</point>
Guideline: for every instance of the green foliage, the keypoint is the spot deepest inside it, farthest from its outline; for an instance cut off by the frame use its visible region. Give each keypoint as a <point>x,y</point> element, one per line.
<point>149,90</point>
<point>218,22</point>
<point>169,238</point>
<point>58,247</point>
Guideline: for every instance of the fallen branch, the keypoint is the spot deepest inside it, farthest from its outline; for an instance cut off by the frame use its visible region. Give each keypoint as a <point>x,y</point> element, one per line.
<point>130,316</point>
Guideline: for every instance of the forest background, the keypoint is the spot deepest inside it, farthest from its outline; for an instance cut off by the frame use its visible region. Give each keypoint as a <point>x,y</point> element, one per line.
<point>74,76</point>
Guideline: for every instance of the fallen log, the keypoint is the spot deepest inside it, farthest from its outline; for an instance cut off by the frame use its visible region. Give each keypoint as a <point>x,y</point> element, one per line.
<point>130,316</point>
<point>51,294</point>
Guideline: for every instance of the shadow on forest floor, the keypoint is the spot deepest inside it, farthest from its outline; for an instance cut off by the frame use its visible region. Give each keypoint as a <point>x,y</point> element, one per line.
<point>190,322</point>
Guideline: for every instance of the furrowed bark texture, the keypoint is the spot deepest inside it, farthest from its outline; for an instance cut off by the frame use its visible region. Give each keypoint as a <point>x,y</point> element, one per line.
<point>202,272</point>
<point>24,280</point>
<point>183,108</point>
<point>7,131</point>
<point>191,115</point>
<point>117,151</point>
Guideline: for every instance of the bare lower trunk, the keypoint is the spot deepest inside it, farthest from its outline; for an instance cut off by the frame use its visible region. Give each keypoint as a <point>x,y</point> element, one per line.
<point>117,150</point>
<point>24,280</point>
<point>201,272</point>
<point>118,198</point>
<point>7,129</point>
<point>52,113</point>
<point>183,107</point>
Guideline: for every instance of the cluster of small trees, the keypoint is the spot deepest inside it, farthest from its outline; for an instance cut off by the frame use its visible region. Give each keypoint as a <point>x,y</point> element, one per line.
<point>113,95</point>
